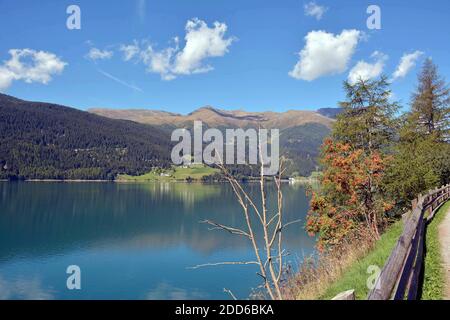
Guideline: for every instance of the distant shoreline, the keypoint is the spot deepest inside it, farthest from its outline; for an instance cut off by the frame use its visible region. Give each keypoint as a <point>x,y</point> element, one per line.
<point>62,180</point>
<point>123,181</point>
<point>96,181</point>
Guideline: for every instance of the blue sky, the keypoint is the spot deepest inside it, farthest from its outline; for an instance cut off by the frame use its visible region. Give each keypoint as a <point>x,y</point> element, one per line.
<point>243,62</point>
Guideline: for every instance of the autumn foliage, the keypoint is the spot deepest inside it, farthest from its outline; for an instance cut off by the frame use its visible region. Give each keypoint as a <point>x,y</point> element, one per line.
<point>375,162</point>
<point>348,201</point>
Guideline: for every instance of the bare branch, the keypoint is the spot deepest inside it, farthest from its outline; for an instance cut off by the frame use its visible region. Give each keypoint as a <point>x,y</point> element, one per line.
<point>230,293</point>
<point>240,192</point>
<point>218,226</point>
<point>262,276</point>
<point>284,253</point>
<point>268,243</point>
<point>291,222</point>
<point>272,219</point>
<point>270,269</point>
<point>222,264</point>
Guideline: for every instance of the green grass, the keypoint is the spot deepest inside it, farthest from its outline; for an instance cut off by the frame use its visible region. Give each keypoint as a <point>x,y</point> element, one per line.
<point>433,285</point>
<point>194,172</point>
<point>151,176</point>
<point>356,275</point>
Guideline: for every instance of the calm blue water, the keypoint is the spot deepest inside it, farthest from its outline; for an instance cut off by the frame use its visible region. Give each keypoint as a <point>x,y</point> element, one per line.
<point>131,241</point>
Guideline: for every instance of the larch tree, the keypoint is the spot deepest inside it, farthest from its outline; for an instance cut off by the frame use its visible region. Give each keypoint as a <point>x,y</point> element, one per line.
<point>350,197</point>
<point>430,103</point>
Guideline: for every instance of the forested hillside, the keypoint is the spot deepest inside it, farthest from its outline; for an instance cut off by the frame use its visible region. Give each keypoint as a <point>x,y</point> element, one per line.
<point>48,141</point>
<point>301,147</point>
<point>301,132</point>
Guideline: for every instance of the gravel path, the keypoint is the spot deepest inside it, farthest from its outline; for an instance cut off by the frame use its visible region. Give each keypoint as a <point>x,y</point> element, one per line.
<point>444,237</point>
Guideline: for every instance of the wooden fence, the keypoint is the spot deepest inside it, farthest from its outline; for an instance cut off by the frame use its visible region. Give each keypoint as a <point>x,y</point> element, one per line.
<point>400,277</point>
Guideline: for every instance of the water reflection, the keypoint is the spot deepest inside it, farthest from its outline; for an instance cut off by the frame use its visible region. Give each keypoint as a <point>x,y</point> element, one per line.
<point>166,291</point>
<point>150,230</point>
<point>24,289</point>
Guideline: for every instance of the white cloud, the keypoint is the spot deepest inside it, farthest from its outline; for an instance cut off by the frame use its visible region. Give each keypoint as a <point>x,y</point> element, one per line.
<point>312,9</point>
<point>201,42</point>
<point>6,78</point>
<point>325,54</point>
<point>160,61</point>
<point>366,71</point>
<point>30,66</point>
<point>130,51</point>
<point>97,54</point>
<point>407,62</point>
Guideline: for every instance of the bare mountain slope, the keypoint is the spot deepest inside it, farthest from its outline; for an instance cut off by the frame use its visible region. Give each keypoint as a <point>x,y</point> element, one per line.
<point>219,118</point>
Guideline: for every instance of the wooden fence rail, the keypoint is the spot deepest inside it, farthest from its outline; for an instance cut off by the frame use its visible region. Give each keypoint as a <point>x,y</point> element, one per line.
<point>400,276</point>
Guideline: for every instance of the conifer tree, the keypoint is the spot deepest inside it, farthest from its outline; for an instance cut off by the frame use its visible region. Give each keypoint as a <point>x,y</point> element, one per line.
<point>422,155</point>
<point>430,103</point>
<point>354,160</point>
<point>368,118</point>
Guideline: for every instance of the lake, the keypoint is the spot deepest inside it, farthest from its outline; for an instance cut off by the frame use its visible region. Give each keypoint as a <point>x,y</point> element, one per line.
<point>132,241</point>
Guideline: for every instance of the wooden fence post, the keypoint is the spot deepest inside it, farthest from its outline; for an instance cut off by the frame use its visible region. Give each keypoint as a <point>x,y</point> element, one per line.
<point>346,295</point>
<point>401,272</point>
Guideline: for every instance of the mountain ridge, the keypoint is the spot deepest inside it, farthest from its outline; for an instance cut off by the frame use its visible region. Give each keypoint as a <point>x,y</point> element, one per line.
<point>219,117</point>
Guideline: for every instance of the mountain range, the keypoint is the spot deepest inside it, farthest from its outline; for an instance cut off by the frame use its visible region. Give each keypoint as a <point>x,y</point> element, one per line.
<point>50,141</point>
<point>214,117</point>
<point>301,132</point>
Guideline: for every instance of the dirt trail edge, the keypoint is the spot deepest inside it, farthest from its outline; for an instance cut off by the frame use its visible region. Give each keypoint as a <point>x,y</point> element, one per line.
<point>444,239</point>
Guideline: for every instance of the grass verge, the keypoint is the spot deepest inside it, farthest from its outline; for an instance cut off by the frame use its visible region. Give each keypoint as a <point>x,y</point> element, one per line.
<point>433,285</point>
<point>343,269</point>
<point>194,172</point>
<point>355,276</point>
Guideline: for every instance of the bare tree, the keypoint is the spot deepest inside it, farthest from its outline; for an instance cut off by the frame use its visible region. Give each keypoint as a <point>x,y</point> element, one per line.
<point>268,258</point>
